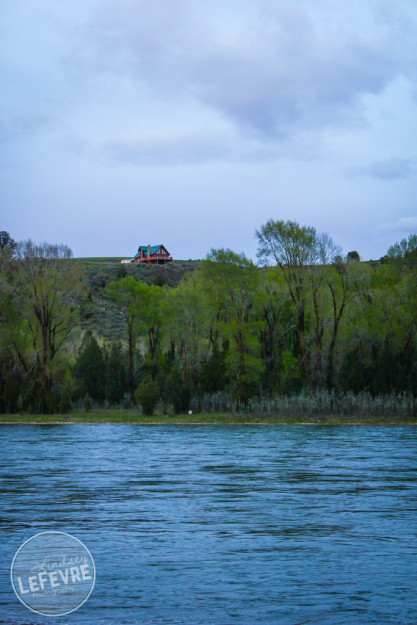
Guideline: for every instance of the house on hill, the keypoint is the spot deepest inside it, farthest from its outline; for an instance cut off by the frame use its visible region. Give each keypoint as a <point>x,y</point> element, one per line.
<point>152,254</point>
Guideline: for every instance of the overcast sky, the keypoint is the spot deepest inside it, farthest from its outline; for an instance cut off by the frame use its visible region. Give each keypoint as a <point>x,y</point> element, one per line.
<point>191,123</point>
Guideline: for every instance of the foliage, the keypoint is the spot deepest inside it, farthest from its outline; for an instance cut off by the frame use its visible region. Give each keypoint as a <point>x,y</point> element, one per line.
<point>231,281</point>
<point>116,378</point>
<point>87,403</point>
<point>42,313</point>
<point>148,394</point>
<point>353,256</point>
<point>126,293</point>
<point>404,248</point>
<point>90,368</point>
<point>299,335</point>
<point>177,392</point>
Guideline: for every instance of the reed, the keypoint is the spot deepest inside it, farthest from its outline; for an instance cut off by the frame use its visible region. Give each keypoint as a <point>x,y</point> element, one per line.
<point>320,403</point>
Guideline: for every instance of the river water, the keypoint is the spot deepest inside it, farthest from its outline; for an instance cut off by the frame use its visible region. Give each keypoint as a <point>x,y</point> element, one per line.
<point>218,525</point>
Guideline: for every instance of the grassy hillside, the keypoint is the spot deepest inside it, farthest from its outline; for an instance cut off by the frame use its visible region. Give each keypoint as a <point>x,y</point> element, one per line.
<point>98,311</point>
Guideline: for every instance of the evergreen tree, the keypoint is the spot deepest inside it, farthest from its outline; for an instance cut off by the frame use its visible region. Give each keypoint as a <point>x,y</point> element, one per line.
<point>177,392</point>
<point>116,378</point>
<point>213,376</point>
<point>90,368</point>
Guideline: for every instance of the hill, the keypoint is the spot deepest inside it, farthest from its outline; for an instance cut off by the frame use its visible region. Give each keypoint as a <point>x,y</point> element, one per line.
<point>98,312</point>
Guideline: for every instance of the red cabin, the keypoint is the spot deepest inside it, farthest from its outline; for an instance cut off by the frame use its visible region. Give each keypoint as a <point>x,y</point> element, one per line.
<point>153,254</point>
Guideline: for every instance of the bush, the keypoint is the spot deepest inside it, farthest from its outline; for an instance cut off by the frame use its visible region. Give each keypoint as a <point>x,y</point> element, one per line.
<point>147,394</point>
<point>87,403</point>
<point>65,402</point>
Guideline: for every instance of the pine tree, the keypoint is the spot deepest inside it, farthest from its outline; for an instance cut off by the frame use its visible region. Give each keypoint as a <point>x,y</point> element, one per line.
<point>116,378</point>
<point>90,368</point>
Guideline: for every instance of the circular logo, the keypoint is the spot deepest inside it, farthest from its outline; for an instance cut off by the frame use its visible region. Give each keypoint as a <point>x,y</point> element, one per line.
<point>53,573</point>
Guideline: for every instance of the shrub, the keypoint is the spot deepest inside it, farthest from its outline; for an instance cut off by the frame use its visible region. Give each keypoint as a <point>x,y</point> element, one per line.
<point>65,402</point>
<point>147,394</point>
<point>87,403</point>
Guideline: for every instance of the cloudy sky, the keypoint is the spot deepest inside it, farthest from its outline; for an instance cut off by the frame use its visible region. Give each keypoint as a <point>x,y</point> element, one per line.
<point>190,123</point>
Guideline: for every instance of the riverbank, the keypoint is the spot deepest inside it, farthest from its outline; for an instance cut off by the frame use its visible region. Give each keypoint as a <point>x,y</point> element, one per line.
<point>135,418</point>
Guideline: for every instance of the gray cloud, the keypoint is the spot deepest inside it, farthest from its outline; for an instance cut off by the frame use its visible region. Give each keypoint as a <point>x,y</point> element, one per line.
<point>160,149</point>
<point>187,147</point>
<point>273,71</point>
<point>248,109</point>
<point>21,125</point>
<point>389,169</point>
<point>403,225</point>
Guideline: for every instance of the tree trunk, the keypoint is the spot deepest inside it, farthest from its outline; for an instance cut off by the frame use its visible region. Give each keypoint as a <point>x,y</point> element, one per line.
<point>44,374</point>
<point>330,359</point>
<point>301,343</point>
<point>131,381</point>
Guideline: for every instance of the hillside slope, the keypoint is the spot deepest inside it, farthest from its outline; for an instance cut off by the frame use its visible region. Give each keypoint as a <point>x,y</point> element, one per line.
<point>98,312</point>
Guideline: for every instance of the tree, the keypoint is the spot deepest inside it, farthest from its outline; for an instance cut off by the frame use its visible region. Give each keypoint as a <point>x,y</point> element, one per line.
<point>345,283</point>
<point>404,248</point>
<point>231,282</point>
<point>185,317</point>
<point>90,368</point>
<point>405,252</point>
<point>147,394</point>
<point>277,323</point>
<point>213,377</point>
<point>115,375</point>
<point>316,277</point>
<point>293,248</point>
<point>126,293</point>
<point>7,244</point>
<point>7,253</point>
<point>150,320</point>
<point>177,392</point>
<point>353,256</point>
<point>47,285</point>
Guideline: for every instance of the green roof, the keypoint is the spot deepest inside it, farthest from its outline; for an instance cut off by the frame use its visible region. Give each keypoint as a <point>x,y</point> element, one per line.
<point>144,249</point>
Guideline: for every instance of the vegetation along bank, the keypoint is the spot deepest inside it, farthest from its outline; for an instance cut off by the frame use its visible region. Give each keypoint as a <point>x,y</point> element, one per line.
<point>304,334</point>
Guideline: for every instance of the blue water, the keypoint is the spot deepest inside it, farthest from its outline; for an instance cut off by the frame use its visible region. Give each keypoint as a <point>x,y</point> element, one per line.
<point>220,525</point>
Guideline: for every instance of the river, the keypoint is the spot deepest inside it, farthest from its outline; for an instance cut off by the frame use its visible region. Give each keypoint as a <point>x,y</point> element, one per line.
<point>218,525</point>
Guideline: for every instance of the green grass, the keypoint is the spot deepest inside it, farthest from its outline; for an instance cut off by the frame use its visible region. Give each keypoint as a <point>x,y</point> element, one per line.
<point>134,417</point>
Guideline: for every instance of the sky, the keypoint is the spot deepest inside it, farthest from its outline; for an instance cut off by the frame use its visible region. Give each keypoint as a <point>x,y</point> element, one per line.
<point>191,123</point>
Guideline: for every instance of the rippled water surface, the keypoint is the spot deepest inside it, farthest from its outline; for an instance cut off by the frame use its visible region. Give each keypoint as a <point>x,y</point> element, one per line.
<point>218,525</point>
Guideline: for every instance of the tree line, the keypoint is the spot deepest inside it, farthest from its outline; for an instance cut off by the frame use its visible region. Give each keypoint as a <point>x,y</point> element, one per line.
<point>304,318</point>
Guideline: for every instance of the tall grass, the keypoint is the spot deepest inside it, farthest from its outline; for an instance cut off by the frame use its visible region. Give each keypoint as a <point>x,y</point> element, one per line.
<point>317,404</point>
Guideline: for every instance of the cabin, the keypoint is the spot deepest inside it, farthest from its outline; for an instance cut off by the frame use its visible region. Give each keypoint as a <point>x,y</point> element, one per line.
<point>152,254</point>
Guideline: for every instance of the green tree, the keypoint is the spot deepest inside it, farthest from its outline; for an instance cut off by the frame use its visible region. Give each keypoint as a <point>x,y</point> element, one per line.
<point>405,248</point>
<point>148,394</point>
<point>346,282</point>
<point>277,323</point>
<point>404,253</point>
<point>7,244</point>
<point>47,285</point>
<point>90,368</point>
<point>127,295</point>
<point>115,375</point>
<point>213,376</point>
<point>185,322</point>
<point>150,321</point>
<point>177,391</point>
<point>317,276</point>
<point>353,256</point>
<point>293,248</point>
<point>231,281</point>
